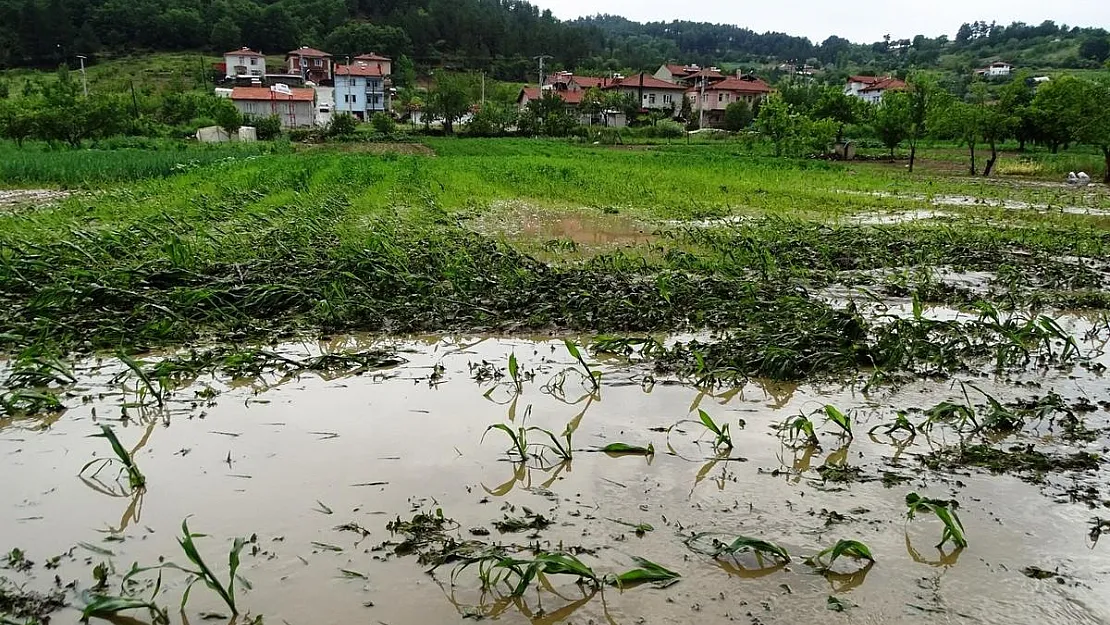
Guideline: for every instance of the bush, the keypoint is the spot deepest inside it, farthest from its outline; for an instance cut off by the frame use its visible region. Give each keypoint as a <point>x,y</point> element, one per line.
<point>383,124</point>
<point>669,130</point>
<point>342,125</point>
<point>268,128</point>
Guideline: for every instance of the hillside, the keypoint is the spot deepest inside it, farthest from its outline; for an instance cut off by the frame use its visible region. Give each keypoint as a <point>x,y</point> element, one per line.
<point>497,36</point>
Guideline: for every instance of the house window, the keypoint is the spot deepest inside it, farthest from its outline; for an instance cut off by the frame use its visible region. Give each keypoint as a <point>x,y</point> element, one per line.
<point>318,63</point>
<point>722,97</point>
<point>254,61</point>
<point>667,99</point>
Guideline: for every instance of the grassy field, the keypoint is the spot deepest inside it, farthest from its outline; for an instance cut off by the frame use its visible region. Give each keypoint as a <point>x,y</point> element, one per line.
<point>337,240</point>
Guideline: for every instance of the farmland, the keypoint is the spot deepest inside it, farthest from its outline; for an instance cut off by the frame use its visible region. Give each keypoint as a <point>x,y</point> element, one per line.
<point>547,382</point>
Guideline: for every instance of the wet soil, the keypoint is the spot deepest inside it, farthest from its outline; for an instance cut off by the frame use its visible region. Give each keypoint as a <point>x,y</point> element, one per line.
<point>20,198</point>
<point>575,230</point>
<point>316,466</point>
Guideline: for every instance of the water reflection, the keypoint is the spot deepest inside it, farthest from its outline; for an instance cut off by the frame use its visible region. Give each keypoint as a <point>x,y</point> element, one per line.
<point>944,559</point>
<point>844,582</point>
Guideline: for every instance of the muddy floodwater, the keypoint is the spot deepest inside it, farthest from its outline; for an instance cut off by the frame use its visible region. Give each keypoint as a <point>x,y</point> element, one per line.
<point>290,461</point>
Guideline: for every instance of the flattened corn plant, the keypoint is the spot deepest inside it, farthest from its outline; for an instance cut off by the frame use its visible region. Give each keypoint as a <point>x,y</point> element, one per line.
<point>824,560</point>
<point>709,543</point>
<point>943,510</point>
<point>496,568</point>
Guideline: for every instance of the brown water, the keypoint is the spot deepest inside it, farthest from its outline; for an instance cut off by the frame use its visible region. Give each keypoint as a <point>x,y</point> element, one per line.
<point>272,457</point>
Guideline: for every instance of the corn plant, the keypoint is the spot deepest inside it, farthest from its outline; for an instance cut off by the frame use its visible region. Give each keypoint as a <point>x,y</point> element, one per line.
<point>850,548</point>
<point>518,436</point>
<point>623,449</point>
<point>496,568</point>
<point>514,373</point>
<point>900,423</point>
<point>204,573</point>
<point>943,510</point>
<point>108,607</point>
<point>723,438</point>
<point>561,448</point>
<point>593,376</point>
<point>739,544</point>
<point>134,477</point>
<point>799,430</point>
<point>158,393</point>
<point>841,420</point>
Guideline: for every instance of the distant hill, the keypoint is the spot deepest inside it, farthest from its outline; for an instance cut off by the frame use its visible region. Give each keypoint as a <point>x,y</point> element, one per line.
<point>498,36</point>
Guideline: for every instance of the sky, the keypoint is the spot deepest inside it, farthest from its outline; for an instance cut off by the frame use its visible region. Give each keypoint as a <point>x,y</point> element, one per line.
<point>861,21</point>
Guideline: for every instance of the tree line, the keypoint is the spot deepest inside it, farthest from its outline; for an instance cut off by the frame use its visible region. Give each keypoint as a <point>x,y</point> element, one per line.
<point>499,36</point>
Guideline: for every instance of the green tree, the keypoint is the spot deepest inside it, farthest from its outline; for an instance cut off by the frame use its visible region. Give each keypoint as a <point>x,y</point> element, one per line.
<point>593,103</point>
<point>225,35</point>
<point>1056,111</point>
<point>1092,125</point>
<point>923,91</point>
<point>356,38</point>
<point>738,115</point>
<point>892,119</point>
<point>775,123</point>
<point>1095,47</point>
<point>493,119</point>
<point>841,108</point>
<point>449,101</point>
<point>342,125</point>
<point>17,121</point>
<point>226,115</point>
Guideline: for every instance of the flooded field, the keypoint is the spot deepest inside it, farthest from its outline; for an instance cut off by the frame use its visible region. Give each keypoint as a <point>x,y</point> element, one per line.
<point>312,467</point>
<point>666,385</point>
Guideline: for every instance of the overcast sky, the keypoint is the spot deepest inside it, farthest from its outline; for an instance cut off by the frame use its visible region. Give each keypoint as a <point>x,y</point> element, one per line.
<point>862,21</point>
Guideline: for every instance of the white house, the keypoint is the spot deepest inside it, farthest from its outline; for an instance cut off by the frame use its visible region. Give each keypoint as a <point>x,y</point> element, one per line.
<point>295,107</point>
<point>870,89</point>
<point>997,69</point>
<point>244,62</point>
<point>651,92</point>
<point>361,89</point>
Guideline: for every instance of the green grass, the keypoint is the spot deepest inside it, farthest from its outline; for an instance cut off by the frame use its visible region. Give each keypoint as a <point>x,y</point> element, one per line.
<point>110,163</point>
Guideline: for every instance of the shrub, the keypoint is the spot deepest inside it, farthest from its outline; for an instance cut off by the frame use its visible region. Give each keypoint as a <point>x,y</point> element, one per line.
<point>342,125</point>
<point>383,124</point>
<point>669,130</point>
<point>268,128</point>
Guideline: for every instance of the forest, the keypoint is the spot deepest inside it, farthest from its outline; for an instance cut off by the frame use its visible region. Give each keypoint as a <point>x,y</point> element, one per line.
<point>499,36</point>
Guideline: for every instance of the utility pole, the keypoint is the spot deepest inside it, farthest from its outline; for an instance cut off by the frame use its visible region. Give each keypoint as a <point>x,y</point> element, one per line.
<point>701,105</point>
<point>84,78</point>
<point>541,58</point>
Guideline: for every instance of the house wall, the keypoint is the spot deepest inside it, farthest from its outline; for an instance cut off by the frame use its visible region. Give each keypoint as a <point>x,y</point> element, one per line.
<point>317,69</point>
<point>657,99</point>
<point>996,72</point>
<point>664,74</point>
<point>361,96</point>
<point>238,65</point>
<point>854,88</point>
<point>303,113</point>
<point>719,100</point>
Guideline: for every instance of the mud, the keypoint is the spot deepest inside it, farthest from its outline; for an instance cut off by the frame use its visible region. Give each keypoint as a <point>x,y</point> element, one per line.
<point>564,230</point>
<point>20,198</point>
<point>317,466</point>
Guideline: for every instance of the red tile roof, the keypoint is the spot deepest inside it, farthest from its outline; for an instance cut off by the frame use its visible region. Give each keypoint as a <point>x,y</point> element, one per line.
<point>372,57</point>
<point>744,85</point>
<point>867,80</point>
<point>264,93</point>
<point>589,82</point>
<point>309,53</point>
<point>243,52</point>
<point>570,97</point>
<point>884,85</point>
<point>359,69</point>
<point>705,73</point>
<point>649,82</point>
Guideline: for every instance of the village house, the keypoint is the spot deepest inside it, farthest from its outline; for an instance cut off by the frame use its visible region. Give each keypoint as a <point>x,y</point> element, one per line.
<point>295,107</point>
<point>244,63</point>
<point>311,64</point>
<point>871,88</point>
<point>568,81</point>
<point>671,72</point>
<point>652,93</point>
<point>710,103</point>
<point>997,69</point>
<point>362,88</point>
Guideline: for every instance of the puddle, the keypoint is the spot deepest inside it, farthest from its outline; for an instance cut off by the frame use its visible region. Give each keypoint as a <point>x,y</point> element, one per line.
<point>590,230</point>
<point>14,198</point>
<point>972,201</point>
<point>888,218</point>
<point>291,459</point>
